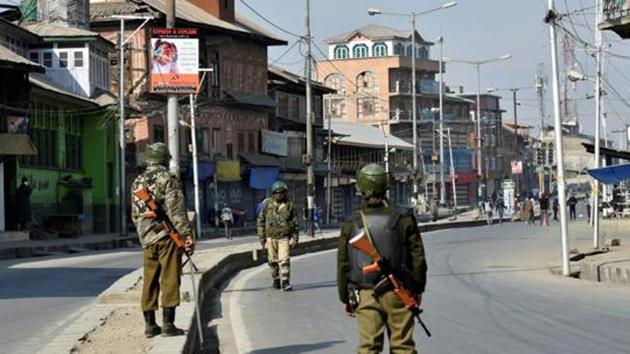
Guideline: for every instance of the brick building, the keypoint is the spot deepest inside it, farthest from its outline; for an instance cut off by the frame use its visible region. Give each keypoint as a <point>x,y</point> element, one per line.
<point>233,105</point>
<point>370,67</point>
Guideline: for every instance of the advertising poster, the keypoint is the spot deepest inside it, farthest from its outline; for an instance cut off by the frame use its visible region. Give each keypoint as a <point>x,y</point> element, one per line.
<point>174,60</point>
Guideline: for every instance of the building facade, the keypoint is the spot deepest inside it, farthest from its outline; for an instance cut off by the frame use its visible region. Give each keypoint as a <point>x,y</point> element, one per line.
<point>370,68</point>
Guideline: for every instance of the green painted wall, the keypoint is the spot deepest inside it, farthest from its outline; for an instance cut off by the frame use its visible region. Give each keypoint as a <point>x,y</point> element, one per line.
<point>51,195</point>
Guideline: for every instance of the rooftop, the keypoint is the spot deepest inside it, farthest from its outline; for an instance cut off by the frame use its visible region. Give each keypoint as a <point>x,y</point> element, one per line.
<point>374,33</point>
<point>363,135</point>
<point>12,60</point>
<point>297,79</point>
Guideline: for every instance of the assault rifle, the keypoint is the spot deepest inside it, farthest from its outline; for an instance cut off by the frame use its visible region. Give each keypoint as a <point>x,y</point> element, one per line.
<point>363,243</point>
<point>157,213</point>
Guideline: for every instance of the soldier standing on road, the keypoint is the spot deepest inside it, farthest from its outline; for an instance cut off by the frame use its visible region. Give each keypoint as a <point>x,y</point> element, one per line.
<point>278,225</point>
<point>162,258</point>
<point>572,202</point>
<point>397,238</point>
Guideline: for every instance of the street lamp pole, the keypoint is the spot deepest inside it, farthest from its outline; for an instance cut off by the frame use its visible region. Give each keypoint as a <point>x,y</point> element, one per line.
<point>551,18</point>
<point>478,117</point>
<point>441,98</point>
<point>413,16</point>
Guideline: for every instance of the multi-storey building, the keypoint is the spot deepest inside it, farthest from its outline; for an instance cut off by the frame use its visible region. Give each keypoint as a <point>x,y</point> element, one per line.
<point>233,104</point>
<point>370,68</point>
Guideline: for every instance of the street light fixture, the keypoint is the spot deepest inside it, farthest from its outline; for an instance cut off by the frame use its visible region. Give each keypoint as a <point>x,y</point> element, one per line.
<point>413,16</point>
<point>574,76</point>
<point>477,64</point>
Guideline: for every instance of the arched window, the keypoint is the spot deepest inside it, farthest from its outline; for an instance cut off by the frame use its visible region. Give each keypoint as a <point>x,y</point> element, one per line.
<point>341,52</point>
<point>367,81</point>
<point>360,51</point>
<point>335,81</point>
<point>398,49</point>
<point>379,49</point>
<point>409,51</point>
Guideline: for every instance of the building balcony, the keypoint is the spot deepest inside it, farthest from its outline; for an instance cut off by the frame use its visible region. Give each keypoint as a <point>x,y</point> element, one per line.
<point>616,17</point>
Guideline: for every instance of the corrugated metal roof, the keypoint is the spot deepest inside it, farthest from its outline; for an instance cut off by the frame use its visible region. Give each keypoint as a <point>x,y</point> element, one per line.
<point>10,59</point>
<point>50,29</point>
<point>296,79</point>
<point>189,12</point>
<point>16,144</point>
<point>363,135</point>
<point>100,11</point>
<point>376,32</point>
<point>40,81</point>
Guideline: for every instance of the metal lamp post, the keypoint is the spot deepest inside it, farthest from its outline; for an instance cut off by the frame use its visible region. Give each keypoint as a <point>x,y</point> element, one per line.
<point>122,197</point>
<point>413,16</point>
<point>477,64</point>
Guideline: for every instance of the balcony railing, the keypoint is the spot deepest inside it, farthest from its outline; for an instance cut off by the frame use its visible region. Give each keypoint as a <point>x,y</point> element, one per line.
<point>614,9</point>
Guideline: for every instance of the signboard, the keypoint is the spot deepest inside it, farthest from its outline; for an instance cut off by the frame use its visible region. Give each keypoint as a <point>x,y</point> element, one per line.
<point>174,59</point>
<point>274,143</point>
<point>517,167</point>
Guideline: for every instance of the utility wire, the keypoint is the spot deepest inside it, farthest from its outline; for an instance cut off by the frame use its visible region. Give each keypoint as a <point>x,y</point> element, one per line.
<point>285,52</point>
<point>264,18</point>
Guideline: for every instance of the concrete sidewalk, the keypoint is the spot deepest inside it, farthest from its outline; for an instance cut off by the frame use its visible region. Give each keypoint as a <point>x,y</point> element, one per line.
<point>94,242</point>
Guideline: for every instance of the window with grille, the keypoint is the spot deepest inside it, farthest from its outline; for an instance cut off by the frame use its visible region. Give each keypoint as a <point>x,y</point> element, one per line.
<point>379,49</point>
<point>341,52</point>
<point>43,132</point>
<point>48,59</point>
<point>78,59</point>
<point>63,59</point>
<point>360,51</point>
<point>74,143</point>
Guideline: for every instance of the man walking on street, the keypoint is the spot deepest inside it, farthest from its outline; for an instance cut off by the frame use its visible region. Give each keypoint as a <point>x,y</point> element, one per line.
<point>544,209</point>
<point>162,258</point>
<point>23,204</point>
<point>227,217</point>
<point>500,209</point>
<point>278,228</point>
<point>572,204</point>
<point>370,297</point>
<point>556,208</point>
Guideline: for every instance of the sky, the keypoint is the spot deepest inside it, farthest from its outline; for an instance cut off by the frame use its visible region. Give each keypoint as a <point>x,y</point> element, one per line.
<point>472,30</point>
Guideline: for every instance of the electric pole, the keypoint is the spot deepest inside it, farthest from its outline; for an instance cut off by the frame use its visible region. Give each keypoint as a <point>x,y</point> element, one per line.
<point>441,98</point>
<point>310,181</point>
<point>550,18</point>
<point>173,121</point>
<point>598,122</point>
<point>540,85</point>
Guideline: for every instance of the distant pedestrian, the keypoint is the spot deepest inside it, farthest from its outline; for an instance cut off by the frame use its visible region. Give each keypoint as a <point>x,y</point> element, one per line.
<point>556,207</point>
<point>434,210</point>
<point>227,217</point>
<point>528,210</point>
<point>317,215</point>
<point>588,210</point>
<point>544,209</point>
<point>500,209</point>
<point>23,204</point>
<point>572,203</point>
<point>487,206</point>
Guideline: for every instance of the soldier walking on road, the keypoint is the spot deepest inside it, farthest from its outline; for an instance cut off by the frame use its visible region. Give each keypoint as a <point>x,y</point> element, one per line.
<point>278,229</point>
<point>370,297</point>
<point>162,258</point>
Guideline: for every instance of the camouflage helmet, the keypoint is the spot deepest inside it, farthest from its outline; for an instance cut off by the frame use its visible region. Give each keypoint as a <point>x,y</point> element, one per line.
<point>157,153</point>
<point>372,180</point>
<point>279,187</point>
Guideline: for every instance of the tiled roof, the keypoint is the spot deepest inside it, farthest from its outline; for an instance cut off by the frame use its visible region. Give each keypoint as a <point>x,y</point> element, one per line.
<point>375,32</point>
<point>10,59</point>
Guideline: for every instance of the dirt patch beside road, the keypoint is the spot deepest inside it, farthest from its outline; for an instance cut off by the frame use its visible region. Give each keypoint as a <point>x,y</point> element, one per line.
<point>122,332</point>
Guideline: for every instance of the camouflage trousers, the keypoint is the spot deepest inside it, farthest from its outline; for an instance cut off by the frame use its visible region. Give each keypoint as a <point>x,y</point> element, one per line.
<point>162,263</point>
<point>278,252</point>
<point>376,315</point>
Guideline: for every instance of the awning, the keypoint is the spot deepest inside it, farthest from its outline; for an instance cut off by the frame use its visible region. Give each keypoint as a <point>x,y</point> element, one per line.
<point>611,174</point>
<point>262,178</point>
<point>252,99</point>
<point>205,170</point>
<point>228,171</point>
<point>16,144</point>
<point>261,160</point>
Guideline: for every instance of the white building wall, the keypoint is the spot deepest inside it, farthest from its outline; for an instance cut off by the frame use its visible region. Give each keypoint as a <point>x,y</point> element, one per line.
<point>73,78</point>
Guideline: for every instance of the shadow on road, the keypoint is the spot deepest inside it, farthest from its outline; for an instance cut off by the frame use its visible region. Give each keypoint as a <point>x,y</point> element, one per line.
<point>298,348</point>
<point>296,287</point>
<point>517,270</point>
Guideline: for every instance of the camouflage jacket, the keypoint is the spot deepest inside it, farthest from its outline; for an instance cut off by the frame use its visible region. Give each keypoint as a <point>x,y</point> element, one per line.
<point>277,220</point>
<point>167,192</point>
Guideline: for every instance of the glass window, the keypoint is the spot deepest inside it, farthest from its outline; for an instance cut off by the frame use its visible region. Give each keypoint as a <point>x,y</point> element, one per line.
<point>341,52</point>
<point>408,51</point>
<point>48,59</point>
<point>379,50</point>
<point>35,57</point>
<point>63,59</point>
<point>360,51</point>
<point>78,59</point>
<point>283,105</point>
<point>398,49</point>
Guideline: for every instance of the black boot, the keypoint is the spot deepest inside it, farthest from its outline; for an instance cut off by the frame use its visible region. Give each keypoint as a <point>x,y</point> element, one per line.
<point>276,284</point>
<point>168,325</point>
<point>286,286</point>
<point>151,329</point>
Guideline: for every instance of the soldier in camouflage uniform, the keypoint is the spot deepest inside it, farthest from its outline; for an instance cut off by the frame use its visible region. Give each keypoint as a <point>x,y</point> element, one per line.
<point>278,223</point>
<point>370,297</point>
<point>162,258</point>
